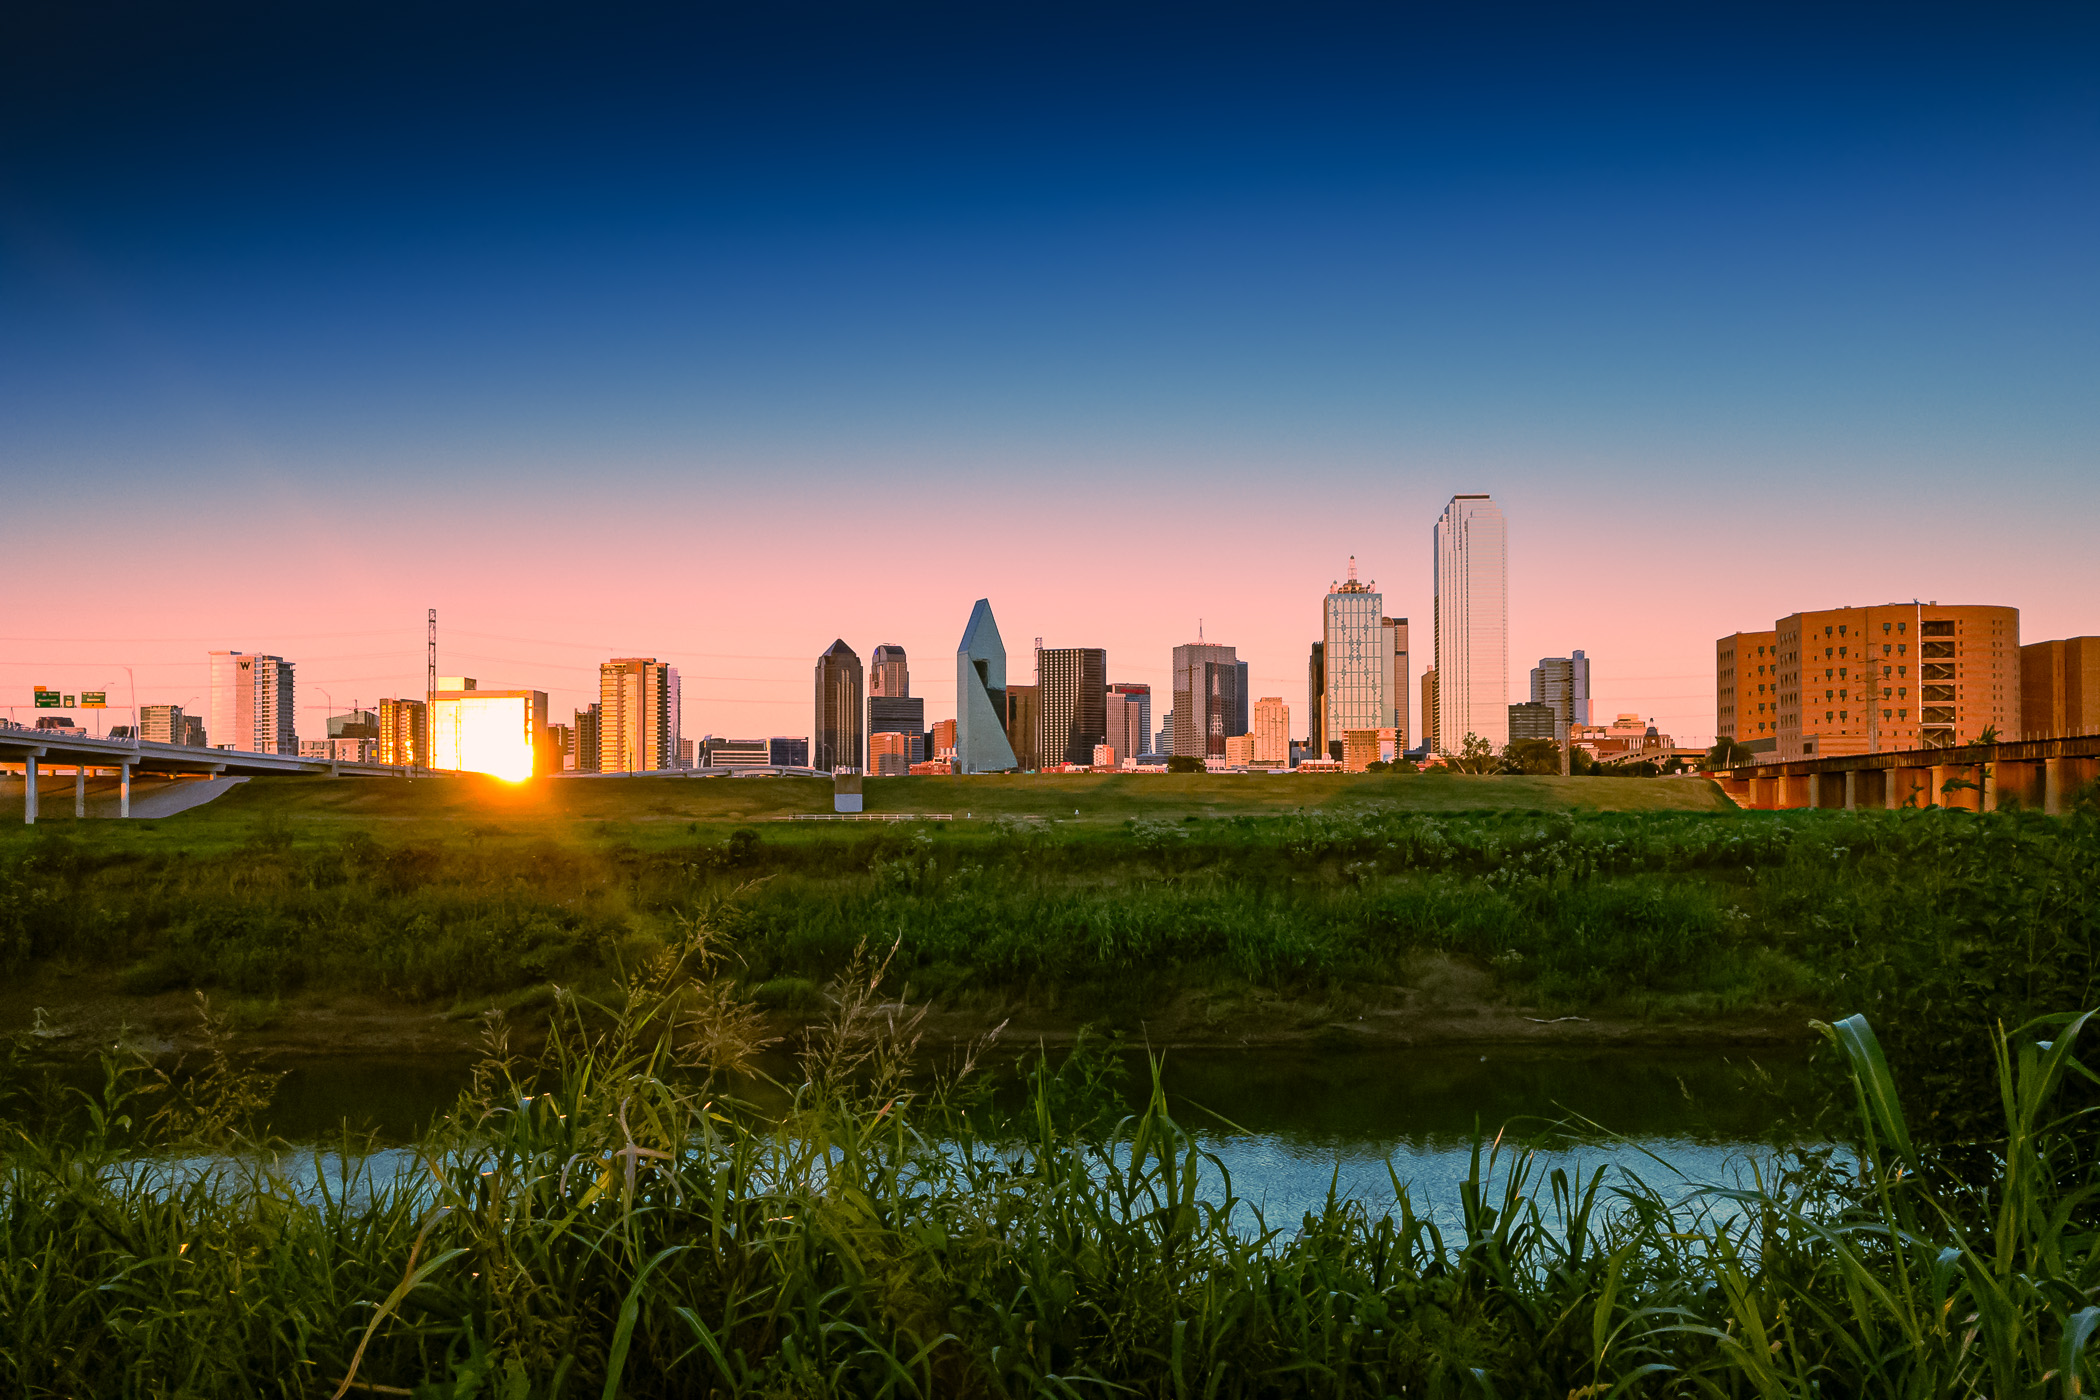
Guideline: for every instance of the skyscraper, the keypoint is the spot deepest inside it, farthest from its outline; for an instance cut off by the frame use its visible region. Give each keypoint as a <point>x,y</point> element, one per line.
<point>1272,730</point>
<point>587,739</point>
<point>1562,683</point>
<point>404,734</point>
<point>1129,730</point>
<point>892,708</point>
<point>1071,699</point>
<point>1243,716</point>
<point>980,696</point>
<point>1472,623</point>
<point>836,737</point>
<point>253,703</point>
<point>638,719</point>
<point>1206,698</point>
<point>1316,701</point>
<point>1141,693</point>
<point>1357,654</point>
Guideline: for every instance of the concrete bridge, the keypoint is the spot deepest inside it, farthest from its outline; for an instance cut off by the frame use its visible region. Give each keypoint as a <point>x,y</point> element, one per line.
<point>2039,773</point>
<point>34,751</point>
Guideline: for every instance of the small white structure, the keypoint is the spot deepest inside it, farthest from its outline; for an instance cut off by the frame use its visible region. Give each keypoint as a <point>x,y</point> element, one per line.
<point>845,789</point>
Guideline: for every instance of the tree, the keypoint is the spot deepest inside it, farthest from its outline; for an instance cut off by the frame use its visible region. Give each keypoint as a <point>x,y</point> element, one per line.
<point>1531,756</point>
<point>1475,755</point>
<point>1728,753</point>
<point>1185,763</point>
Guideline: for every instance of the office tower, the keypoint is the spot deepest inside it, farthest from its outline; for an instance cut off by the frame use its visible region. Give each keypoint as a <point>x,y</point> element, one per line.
<point>981,744</point>
<point>898,714</point>
<point>404,729</point>
<point>685,753</point>
<point>836,742</point>
<point>499,732</point>
<point>1393,654</point>
<point>1357,654</point>
<point>193,732</point>
<point>1243,716</point>
<point>888,675</point>
<point>561,745</point>
<point>1128,732</point>
<point>890,754</point>
<point>638,715</point>
<point>1142,694</point>
<point>1163,741</point>
<point>1316,699</point>
<point>1867,680</point>
<point>1020,725</point>
<point>787,752</point>
<point>253,705</point>
<point>2060,688</point>
<point>162,724</point>
<point>1562,683</point>
<point>1272,731</point>
<point>714,751</point>
<point>1534,719</point>
<point>1430,736</point>
<point>587,738</point>
<point>1206,699</point>
<point>943,739</point>
<point>1071,702</point>
<point>1472,623</point>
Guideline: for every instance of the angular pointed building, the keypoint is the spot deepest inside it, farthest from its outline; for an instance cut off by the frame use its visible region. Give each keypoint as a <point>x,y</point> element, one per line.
<point>980,697</point>
<point>837,740</point>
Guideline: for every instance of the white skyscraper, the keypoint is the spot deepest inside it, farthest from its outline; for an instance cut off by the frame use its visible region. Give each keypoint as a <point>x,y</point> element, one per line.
<point>1357,652</point>
<point>252,704</point>
<point>1472,623</point>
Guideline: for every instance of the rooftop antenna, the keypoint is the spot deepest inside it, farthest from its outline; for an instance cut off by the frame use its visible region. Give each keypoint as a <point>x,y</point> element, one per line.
<point>1352,568</point>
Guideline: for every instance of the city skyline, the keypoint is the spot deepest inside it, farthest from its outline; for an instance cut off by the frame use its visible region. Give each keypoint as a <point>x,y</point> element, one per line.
<point>1651,281</point>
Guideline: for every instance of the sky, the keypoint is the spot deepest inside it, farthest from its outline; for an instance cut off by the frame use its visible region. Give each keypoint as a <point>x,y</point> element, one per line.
<point>715,335</point>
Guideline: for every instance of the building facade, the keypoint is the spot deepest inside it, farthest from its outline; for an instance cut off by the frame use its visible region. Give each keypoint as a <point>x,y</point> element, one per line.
<point>890,754</point>
<point>1432,737</point>
<point>499,732</point>
<point>836,736</point>
<point>166,724</point>
<point>1357,655</point>
<point>888,673</point>
<point>253,703</point>
<point>1471,623</point>
<point>1126,722</point>
<point>981,744</point>
<point>1874,679</point>
<point>899,714</point>
<point>1746,690</point>
<point>2060,688</point>
<point>638,715</point>
<point>943,738</point>
<point>586,745</point>
<point>1206,698</point>
<point>1316,700</point>
<point>1020,725</point>
<point>1535,719</point>
<point>1071,699</point>
<point>1272,732</point>
<point>1140,693</point>
<point>404,731</point>
<point>787,752</point>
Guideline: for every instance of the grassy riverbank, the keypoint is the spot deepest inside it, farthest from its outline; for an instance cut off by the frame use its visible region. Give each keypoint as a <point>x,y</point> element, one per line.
<point>1358,921</point>
<point>610,1222</point>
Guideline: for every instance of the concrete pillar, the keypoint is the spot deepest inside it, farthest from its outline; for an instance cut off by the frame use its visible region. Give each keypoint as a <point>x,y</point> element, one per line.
<point>1987,788</point>
<point>1935,779</point>
<point>2052,785</point>
<point>1815,790</point>
<point>1891,784</point>
<point>124,790</point>
<point>1851,790</point>
<point>79,792</point>
<point>29,790</point>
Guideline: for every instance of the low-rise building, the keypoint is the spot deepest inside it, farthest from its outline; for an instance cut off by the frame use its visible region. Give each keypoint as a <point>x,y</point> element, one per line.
<point>1239,750</point>
<point>890,754</point>
<point>2060,688</point>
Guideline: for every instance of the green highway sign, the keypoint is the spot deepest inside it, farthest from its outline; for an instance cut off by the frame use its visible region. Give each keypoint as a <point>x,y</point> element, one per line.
<point>94,699</point>
<point>48,699</point>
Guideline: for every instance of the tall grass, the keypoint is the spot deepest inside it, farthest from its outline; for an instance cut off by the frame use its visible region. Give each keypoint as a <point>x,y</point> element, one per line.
<point>609,1219</point>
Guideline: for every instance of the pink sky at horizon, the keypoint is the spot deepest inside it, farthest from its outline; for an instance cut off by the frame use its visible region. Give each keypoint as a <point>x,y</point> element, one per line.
<point>527,598</point>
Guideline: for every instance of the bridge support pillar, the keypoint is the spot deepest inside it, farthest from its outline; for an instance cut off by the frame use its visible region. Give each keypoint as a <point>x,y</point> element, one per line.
<point>29,791</point>
<point>1815,790</point>
<point>2052,786</point>
<point>79,791</point>
<point>124,790</point>
<point>1987,789</point>
<point>1851,791</point>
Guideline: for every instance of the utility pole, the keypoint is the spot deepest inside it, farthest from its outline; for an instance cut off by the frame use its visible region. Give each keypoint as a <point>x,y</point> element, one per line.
<point>430,687</point>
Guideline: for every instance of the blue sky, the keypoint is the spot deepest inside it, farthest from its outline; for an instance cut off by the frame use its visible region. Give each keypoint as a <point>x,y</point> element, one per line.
<point>1056,293</point>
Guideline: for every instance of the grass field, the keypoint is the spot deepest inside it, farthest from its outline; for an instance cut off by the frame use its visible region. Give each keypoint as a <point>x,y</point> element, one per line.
<point>1089,797</point>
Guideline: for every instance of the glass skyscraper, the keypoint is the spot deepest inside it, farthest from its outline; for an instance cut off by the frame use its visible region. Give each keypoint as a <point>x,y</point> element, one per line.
<point>837,735</point>
<point>1472,623</point>
<point>980,696</point>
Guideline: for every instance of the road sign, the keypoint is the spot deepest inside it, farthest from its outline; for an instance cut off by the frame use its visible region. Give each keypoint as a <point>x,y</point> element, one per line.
<point>48,699</point>
<point>94,699</point>
<point>69,702</point>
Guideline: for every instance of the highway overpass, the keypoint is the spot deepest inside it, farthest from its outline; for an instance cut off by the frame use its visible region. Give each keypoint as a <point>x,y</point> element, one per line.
<point>2039,773</point>
<point>34,752</point>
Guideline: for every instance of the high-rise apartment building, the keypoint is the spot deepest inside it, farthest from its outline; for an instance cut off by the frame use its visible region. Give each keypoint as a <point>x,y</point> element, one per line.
<point>1071,710</point>
<point>981,744</point>
<point>253,704</point>
<point>2060,688</point>
<point>1141,693</point>
<point>888,673</point>
<point>1272,731</point>
<point>1128,731</point>
<point>164,724</point>
<point>837,737</point>
<point>1206,698</point>
<point>587,747</point>
<point>638,715</point>
<point>1471,623</point>
<point>404,733</point>
<point>1867,680</point>
<point>1562,684</point>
